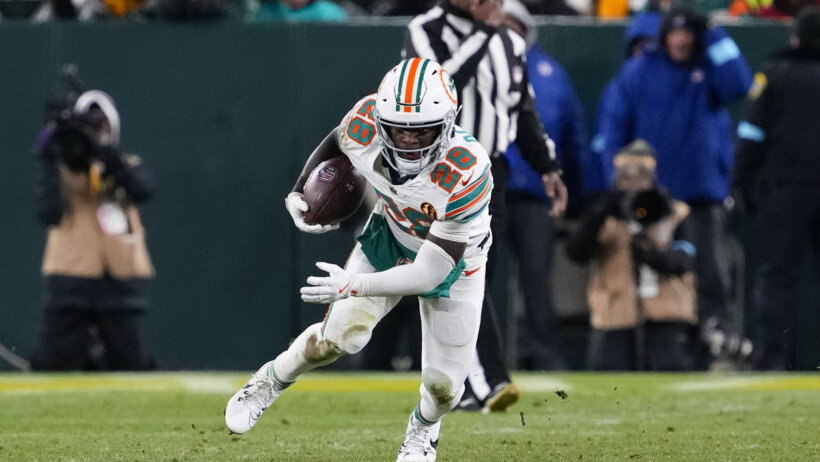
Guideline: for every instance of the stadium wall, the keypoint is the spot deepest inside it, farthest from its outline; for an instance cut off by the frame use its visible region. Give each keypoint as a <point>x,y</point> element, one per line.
<point>224,114</point>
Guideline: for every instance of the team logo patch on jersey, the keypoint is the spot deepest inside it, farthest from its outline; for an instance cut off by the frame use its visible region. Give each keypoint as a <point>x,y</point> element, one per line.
<point>326,174</point>
<point>429,210</point>
<point>403,261</point>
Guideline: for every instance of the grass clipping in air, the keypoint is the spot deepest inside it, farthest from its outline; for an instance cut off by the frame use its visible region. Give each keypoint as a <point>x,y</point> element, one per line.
<point>361,417</point>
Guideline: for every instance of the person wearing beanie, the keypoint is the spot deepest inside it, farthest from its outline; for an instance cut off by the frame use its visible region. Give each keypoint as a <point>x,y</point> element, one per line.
<point>641,289</point>
<point>777,177</point>
<point>675,96</point>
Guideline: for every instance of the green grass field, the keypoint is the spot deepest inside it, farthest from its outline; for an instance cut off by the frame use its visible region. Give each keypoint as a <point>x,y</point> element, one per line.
<point>360,417</point>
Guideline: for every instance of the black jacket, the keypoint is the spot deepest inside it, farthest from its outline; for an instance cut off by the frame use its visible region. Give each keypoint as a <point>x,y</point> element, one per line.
<point>779,140</point>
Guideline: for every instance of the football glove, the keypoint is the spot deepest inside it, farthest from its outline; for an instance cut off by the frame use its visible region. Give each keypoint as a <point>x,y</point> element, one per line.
<point>337,285</point>
<point>297,208</point>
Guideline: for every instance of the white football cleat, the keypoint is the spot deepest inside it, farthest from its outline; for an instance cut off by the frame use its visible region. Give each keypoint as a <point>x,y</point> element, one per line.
<point>248,404</point>
<point>420,442</point>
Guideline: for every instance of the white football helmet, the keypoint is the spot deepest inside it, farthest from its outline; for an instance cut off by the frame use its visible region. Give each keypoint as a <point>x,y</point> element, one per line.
<point>416,93</point>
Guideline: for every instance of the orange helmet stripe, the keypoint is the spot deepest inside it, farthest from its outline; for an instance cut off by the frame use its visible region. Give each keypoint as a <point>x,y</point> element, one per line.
<point>411,79</point>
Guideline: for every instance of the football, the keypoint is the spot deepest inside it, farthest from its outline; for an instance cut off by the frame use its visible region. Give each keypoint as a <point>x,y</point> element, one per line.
<point>333,192</point>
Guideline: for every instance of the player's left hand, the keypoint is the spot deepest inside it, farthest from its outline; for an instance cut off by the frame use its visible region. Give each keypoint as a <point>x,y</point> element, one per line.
<point>336,286</point>
<point>556,191</point>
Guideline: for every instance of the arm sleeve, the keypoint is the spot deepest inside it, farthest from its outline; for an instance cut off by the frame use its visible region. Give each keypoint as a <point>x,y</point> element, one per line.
<point>676,260</point>
<point>531,138</point>
<point>732,76</point>
<point>130,173</point>
<point>432,265</point>
<point>751,135</point>
<point>582,245</point>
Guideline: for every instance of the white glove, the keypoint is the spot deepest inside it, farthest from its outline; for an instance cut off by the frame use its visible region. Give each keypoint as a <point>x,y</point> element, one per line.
<point>336,286</point>
<point>297,208</point>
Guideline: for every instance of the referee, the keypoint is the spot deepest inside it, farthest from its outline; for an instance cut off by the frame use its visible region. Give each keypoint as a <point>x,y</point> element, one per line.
<point>486,61</point>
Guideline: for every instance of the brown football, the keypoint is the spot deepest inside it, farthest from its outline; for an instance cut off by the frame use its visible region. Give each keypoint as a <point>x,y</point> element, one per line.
<point>333,192</point>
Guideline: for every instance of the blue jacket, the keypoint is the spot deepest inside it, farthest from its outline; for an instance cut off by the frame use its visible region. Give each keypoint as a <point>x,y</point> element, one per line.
<point>562,116</point>
<point>597,167</point>
<point>681,111</point>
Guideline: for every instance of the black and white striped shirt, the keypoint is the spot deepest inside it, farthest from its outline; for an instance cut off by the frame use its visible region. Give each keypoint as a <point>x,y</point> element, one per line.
<point>488,67</point>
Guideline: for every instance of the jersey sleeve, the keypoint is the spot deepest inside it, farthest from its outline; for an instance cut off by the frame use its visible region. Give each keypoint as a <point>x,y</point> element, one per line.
<point>471,196</point>
<point>358,128</point>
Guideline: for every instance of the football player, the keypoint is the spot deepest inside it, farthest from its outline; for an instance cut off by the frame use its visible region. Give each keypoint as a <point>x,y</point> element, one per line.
<point>428,235</point>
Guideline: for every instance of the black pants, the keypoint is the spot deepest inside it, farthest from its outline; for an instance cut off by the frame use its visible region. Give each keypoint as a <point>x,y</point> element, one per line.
<point>788,227</point>
<point>489,344</point>
<point>87,340</point>
<point>708,230</point>
<point>706,226</point>
<point>655,346</point>
<point>530,236</point>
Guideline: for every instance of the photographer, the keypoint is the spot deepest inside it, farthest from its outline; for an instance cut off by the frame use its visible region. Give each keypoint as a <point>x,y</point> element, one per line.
<point>96,265</point>
<point>675,95</point>
<point>641,292</point>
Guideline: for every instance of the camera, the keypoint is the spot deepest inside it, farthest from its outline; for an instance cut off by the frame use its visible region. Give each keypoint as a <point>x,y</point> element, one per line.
<point>645,207</point>
<point>75,139</point>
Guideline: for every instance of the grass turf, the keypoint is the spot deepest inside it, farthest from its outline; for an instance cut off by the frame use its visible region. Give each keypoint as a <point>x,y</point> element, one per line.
<point>360,417</point>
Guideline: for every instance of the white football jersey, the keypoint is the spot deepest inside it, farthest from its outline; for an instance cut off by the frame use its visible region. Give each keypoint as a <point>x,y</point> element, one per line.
<point>455,188</point>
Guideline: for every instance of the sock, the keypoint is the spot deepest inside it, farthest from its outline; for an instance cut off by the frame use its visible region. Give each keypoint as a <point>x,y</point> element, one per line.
<point>297,360</point>
<point>419,420</point>
<point>430,411</point>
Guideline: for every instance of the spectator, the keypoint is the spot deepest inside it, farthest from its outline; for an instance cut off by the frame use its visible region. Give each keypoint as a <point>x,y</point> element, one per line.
<point>530,227</point>
<point>598,170</point>
<point>674,96</point>
<point>777,158</point>
<point>300,10</point>
<point>96,265</point>
<point>486,59</point>
<point>641,289</point>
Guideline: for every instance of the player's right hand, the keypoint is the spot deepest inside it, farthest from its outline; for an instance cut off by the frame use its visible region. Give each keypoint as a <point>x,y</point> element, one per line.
<point>297,207</point>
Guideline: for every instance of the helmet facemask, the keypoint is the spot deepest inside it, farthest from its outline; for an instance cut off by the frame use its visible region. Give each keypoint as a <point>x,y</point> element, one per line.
<point>416,94</point>
<point>413,161</point>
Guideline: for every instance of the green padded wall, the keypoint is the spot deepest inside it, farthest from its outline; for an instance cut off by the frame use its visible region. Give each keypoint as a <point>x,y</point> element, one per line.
<point>224,114</point>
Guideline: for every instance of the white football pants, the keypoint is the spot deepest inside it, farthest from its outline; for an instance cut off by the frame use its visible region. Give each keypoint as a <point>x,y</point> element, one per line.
<point>449,328</point>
